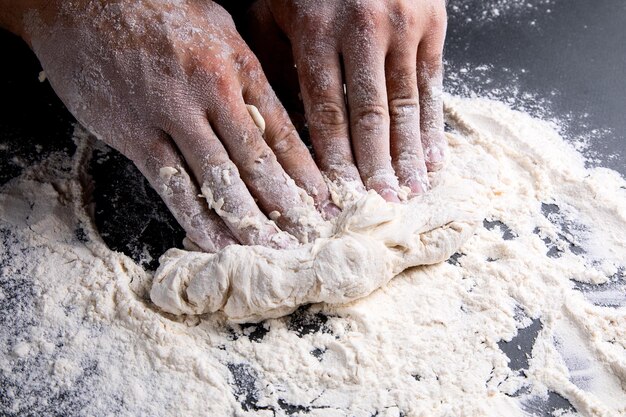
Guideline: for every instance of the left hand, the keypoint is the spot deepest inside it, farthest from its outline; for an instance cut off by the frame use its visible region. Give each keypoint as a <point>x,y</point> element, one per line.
<point>387,131</point>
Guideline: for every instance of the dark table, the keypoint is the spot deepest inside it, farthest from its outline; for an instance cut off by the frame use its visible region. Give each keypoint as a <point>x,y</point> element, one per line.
<point>557,58</point>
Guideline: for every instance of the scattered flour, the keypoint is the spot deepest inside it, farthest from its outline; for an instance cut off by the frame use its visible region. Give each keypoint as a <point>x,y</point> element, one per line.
<point>79,335</point>
<point>484,12</point>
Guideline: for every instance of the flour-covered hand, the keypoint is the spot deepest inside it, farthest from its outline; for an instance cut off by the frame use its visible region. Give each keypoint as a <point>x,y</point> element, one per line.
<point>386,130</point>
<point>172,86</point>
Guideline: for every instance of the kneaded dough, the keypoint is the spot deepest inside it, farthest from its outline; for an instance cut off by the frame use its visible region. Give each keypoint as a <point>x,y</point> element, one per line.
<point>372,241</point>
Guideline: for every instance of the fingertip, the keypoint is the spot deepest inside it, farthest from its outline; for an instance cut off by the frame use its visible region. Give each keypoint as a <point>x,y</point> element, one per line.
<point>389,195</point>
<point>434,156</point>
<point>417,186</point>
<point>329,210</point>
<point>386,184</point>
<point>197,242</point>
<point>323,201</point>
<point>280,240</point>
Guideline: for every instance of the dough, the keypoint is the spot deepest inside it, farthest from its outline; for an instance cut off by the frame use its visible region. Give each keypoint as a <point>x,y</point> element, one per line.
<point>372,241</point>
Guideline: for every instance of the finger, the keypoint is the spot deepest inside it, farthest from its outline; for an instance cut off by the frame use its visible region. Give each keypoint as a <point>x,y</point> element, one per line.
<point>276,192</point>
<point>222,186</point>
<point>159,161</point>
<point>430,80</point>
<point>282,138</point>
<point>369,115</point>
<point>272,49</point>
<point>321,83</point>
<point>404,111</point>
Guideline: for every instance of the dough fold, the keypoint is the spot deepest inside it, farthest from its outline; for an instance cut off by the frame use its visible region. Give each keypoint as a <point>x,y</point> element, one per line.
<point>372,241</point>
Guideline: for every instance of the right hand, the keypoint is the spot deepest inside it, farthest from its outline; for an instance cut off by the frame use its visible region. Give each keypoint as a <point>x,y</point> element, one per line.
<point>168,86</point>
<point>370,75</point>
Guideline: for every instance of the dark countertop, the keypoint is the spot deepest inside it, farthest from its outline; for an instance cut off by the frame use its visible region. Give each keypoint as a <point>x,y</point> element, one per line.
<point>567,58</point>
<point>560,59</point>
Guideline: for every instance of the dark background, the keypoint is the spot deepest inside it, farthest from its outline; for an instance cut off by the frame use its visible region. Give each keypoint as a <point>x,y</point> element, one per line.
<point>558,59</point>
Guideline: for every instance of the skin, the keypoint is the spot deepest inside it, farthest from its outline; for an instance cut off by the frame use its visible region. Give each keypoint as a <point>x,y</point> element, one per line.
<point>166,83</point>
<point>386,131</point>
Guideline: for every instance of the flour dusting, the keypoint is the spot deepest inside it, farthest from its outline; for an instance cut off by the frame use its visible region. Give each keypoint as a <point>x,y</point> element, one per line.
<point>79,336</point>
<point>482,13</point>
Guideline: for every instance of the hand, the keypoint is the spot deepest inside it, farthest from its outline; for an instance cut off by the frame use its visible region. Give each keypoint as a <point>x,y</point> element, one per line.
<point>169,85</point>
<point>387,130</point>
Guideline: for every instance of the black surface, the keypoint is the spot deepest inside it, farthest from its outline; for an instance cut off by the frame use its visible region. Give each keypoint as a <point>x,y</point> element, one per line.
<point>33,121</point>
<point>570,54</point>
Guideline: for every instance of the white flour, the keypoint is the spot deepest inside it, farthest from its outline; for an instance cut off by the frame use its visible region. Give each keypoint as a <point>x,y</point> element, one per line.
<point>79,336</point>
<point>486,12</point>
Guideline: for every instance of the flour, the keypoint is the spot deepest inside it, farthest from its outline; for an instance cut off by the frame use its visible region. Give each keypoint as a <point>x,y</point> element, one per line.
<point>483,13</point>
<point>79,335</point>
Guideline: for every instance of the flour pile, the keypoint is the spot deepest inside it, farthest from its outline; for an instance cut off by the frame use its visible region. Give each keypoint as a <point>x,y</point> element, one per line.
<point>80,336</point>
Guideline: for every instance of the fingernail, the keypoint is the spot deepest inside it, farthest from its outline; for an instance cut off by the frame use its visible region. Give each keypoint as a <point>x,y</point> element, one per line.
<point>435,158</point>
<point>282,240</point>
<point>434,155</point>
<point>330,210</point>
<point>417,187</point>
<point>389,195</point>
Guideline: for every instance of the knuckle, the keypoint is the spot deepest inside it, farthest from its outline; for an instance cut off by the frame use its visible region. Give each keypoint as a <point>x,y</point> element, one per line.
<point>327,113</point>
<point>246,63</point>
<point>284,142</point>
<point>409,158</point>
<point>439,17</point>
<point>402,108</point>
<point>369,16</point>
<point>216,84</point>
<point>256,160</point>
<point>217,10</point>
<point>371,117</point>
<point>314,22</point>
<point>403,19</point>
